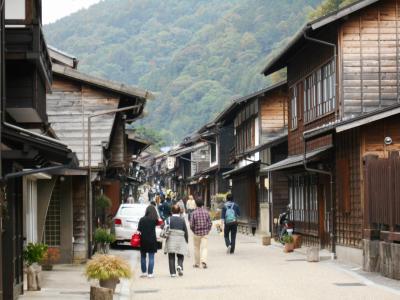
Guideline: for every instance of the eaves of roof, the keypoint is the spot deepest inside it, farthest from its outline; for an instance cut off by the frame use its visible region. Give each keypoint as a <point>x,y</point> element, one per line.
<point>279,61</point>
<point>102,83</point>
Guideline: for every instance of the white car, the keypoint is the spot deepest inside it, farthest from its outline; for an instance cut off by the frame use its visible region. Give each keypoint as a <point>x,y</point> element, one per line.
<point>126,221</point>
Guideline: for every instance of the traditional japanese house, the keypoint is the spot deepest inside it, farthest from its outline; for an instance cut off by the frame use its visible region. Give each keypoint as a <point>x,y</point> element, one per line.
<point>219,138</point>
<point>260,127</point>
<point>190,159</point>
<point>29,148</point>
<point>341,68</point>
<point>103,148</point>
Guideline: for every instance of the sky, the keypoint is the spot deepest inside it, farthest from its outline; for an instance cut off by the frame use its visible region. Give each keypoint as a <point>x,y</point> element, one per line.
<point>53,10</point>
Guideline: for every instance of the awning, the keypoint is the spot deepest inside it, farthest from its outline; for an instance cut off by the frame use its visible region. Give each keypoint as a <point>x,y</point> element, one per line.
<point>209,170</point>
<point>185,150</point>
<point>240,170</point>
<point>294,161</point>
<point>272,143</point>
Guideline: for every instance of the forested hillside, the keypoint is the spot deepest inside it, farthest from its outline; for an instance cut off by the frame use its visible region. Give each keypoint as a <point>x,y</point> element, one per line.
<point>195,55</point>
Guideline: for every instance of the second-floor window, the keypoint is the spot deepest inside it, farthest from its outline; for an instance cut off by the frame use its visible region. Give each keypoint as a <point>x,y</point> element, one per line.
<point>319,92</point>
<point>245,136</point>
<point>213,153</point>
<point>293,107</point>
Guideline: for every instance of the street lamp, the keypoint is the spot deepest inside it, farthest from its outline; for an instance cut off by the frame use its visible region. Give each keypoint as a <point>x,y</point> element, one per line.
<point>90,164</point>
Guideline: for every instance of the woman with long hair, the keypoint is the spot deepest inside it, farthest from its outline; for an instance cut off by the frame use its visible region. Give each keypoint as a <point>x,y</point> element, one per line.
<point>148,240</point>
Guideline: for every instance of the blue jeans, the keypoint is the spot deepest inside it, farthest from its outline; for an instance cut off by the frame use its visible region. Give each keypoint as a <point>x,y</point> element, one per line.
<point>150,268</point>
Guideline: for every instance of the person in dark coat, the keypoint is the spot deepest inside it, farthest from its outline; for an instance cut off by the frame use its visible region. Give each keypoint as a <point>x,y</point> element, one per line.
<point>148,240</point>
<point>177,241</point>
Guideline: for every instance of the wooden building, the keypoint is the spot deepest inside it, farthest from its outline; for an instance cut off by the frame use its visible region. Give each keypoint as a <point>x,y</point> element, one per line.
<point>260,127</point>
<point>29,148</point>
<point>189,160</point>
<point>75,98</point>
<point>340,68</point>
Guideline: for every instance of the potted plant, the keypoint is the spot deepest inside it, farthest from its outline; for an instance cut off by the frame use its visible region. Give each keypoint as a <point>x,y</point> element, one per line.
<point>33,254</point>
<point>289,244</point>
<point>102,204</point>
<point>103,238</point>
<point>51,256</point>
<point>108,269</point>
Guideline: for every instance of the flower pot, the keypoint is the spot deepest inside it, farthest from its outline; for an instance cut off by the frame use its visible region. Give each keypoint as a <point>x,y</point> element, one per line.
<point>33,277</point>
<point>297,241</point>
<point>289,247</point>
<point>103,248</point>
<point>266,240</point>
<point>110,283</point>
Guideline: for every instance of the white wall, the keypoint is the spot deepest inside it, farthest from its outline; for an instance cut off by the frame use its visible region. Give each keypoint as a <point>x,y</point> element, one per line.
<point>15,9</point>
<point>257,132</point>
<point>30,210</point>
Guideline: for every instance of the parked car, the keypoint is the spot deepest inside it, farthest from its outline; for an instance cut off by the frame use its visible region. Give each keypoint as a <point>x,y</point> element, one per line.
<point>126,221</point>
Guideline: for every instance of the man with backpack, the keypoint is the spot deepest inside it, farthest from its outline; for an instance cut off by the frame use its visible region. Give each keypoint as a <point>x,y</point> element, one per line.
<point>230,214</point>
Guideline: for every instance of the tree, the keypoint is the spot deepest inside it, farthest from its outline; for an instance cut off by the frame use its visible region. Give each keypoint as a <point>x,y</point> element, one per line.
<point>328,6</point>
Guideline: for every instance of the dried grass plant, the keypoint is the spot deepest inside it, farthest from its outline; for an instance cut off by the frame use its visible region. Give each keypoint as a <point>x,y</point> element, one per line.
<point>103,267</point>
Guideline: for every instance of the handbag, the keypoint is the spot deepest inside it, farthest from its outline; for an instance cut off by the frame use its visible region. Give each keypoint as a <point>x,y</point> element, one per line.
<point>165,232</point>
<point>135,240</point>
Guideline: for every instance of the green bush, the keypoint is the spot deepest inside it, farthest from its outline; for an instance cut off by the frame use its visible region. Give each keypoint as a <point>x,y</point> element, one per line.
<point>34,253</point>
<point>102,235</point>
<point>103,202</point>
<point>287,239</point>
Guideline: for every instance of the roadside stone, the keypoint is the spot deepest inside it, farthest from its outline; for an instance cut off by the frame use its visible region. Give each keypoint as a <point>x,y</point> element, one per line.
<point>99,293</point>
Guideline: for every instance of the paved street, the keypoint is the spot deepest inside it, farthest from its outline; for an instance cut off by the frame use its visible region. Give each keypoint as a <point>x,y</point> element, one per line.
<point>254,272</point>
<point>258,272</point>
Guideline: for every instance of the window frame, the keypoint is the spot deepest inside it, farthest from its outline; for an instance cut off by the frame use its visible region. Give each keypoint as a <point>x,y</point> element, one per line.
<point>319,92</point>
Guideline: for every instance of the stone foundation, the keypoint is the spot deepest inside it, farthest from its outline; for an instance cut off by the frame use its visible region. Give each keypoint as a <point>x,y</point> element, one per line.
<point>382,257</point>
<point>349,255</point>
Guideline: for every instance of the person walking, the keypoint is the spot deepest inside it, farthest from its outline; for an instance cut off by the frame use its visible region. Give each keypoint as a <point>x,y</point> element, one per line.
<point>181,205</point>
<point>176,244</point>
<point>200,224</point>
<point>148,240</point>
<point>190,206</point>
<point>230,213</point>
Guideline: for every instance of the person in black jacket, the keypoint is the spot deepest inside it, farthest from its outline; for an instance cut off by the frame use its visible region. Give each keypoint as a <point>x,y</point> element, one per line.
<point>148,240</point>
<point>177,241</point>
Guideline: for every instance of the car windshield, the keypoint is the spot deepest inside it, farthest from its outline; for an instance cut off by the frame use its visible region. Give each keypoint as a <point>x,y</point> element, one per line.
<point>132,211</point>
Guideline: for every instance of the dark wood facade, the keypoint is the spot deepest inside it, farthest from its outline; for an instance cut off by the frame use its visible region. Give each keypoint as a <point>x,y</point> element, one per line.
<point>339,67</point>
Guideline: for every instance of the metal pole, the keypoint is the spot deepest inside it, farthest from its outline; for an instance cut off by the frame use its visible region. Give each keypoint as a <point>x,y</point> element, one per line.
<point>90,221</point>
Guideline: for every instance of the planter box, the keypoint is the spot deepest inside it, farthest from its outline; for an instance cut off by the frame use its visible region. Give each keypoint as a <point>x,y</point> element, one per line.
<point>266,240</point>
<point>297,239</point>
<point>99,293</point>
<point>289,247</point>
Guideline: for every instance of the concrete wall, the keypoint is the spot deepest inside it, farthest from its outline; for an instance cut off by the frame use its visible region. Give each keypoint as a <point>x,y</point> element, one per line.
<point>349,255</point>
<point>264,224</point>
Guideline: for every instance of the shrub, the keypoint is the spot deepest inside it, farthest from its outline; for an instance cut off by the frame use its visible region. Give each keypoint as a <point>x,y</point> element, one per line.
<point>102,235</point>
<point>103,267</point>
<point>34,253</point>
<point>103,202</point>
<point>287,239</point>
<point>51,256</point>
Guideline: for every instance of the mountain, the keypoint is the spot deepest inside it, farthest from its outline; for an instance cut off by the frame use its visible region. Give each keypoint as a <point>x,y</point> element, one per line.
<point>195,55</point>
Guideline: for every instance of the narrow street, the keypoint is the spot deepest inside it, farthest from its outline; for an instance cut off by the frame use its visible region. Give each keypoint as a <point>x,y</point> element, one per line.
<point>257,272</point>
<point>254,272</point>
